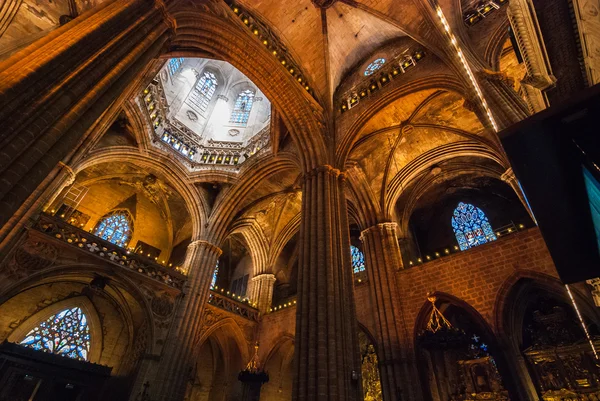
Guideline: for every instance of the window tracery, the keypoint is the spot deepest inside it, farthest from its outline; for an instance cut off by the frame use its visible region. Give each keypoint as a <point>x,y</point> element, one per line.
<point>66,333</point>
<point>174,65</point>
<point>374,66</point>
<point>204,91</point>
<point>242,107</point>
<point>115,227</point>
<point>471,226</point>
<point>358,259</point>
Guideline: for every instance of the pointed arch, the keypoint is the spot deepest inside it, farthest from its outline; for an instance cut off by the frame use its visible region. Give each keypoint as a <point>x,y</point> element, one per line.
<point>54,319</point>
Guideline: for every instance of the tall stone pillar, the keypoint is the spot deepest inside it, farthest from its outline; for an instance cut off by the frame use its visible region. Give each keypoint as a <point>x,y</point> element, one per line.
<point>511,179</point>
<point>326,347</point>
<point>399,379</point>
<point>177,360</point>
<point>261,291</point>
<point>73,74</point>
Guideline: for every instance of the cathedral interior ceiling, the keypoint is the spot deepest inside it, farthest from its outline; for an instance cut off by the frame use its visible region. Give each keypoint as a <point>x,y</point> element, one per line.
<point>410,127</point>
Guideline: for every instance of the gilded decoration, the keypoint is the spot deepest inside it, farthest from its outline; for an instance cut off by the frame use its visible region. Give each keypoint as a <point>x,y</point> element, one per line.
<point>370,369</point>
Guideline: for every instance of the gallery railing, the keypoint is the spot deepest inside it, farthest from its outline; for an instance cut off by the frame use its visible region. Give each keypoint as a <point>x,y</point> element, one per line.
<point>88,242</point>
<point>230,305</point>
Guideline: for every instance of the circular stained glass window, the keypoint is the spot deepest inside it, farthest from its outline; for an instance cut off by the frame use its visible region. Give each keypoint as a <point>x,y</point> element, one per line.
<point>374,66</point>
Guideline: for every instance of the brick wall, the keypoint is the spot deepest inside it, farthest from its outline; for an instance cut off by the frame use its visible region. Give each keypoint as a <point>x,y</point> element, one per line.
<point>478,276</point>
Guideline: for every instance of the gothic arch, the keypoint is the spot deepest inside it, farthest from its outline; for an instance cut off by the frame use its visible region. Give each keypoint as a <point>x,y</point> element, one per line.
<point>428,159</point>
<point>444,302</point>
<point>426,181</point>
<point>159,162</point>
<point>512,295</point>
<point>220,34</point>
<point>83,302</point>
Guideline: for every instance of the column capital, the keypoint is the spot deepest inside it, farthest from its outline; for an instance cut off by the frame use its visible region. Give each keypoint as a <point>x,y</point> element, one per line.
<point>264,277</point>
<point>70,172</point>
<point>379,227</point>
<point>508,175</point>
<point>202,243</point>
<point>326,168</point>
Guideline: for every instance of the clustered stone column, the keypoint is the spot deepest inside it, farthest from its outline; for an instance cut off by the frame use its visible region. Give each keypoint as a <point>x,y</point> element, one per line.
<point>327,366</point>
<point>261,291</point>
<point>73,75</point>
<point>383,260</point>
<point>177,360</point>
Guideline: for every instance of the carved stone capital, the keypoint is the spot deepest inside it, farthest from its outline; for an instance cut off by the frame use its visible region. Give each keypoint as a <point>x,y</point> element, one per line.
<point>71,175</point>
<point>508,176</point>
<point>382,228</point>
<point>202,243</point>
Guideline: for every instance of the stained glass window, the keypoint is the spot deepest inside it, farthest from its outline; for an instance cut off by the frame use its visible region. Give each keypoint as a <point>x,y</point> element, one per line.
<point>203,91</point>
<point>358,259</point>
<point>115,227</point>
<point>174,65</point>
<point>471,226</point>
<point>242,107</point>
<point>374,66</point>
<point>66,333</point>
<point>214,277</point>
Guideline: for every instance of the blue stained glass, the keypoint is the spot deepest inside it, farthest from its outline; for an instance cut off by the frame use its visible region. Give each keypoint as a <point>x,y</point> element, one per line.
<point>471,226</point>
<point>204,90</point>
<point>242,107</point>
<point>374,66</point>
<point>214,277</point>
<point>116,227</point>
<point>174,65</point>
<point>358,259</point>
<point>66,333</point>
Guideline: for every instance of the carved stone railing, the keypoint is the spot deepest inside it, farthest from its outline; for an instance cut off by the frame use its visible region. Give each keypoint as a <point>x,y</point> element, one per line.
<point>171,134</point>
<point>86,242</point>
<point>230,305</point>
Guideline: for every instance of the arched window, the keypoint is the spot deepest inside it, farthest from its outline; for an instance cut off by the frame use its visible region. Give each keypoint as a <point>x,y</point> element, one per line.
<point>115,227</point>
<point>174,65</point>
<point>66,333</point>
<point>242,107</point>
<point>374,66</point>
<point>214,277</point>
<point>204,90</point>
<point>358,259</point>
<point>471,226</point>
